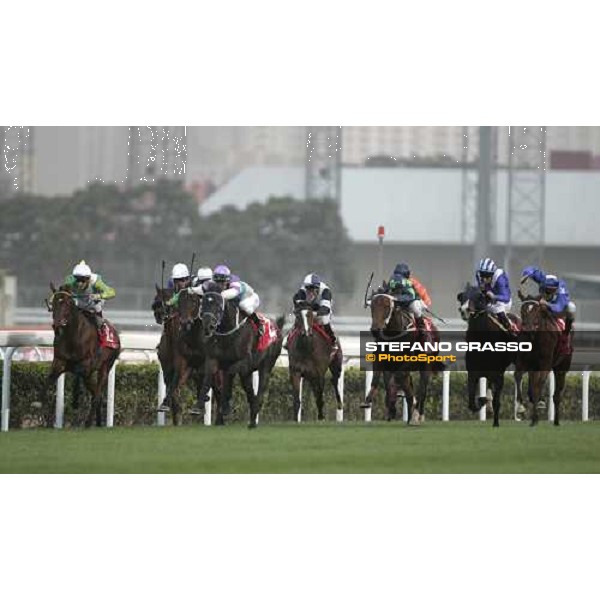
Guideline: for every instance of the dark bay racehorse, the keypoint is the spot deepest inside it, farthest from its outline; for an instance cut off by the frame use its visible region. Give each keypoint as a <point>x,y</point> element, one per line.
<point>310,356</point>
<point>551,351</point>
<point>77,350</point>
<point>231,348</point>
<point>393,384</point>
<point>483,327</point>
<point>392,322</point>
<point>179,351</point>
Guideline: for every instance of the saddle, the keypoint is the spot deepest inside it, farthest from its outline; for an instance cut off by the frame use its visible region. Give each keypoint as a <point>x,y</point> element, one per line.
<point>269,332</point>
<point>316,327</point>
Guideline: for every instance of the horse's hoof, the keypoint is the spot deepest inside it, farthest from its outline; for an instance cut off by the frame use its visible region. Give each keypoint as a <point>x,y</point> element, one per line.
<point>165,408</point>
<point>252,425</point>
<point>556,424</point>
<point>496,425</point>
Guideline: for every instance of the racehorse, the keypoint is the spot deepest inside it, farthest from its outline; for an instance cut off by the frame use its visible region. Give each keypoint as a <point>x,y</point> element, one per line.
<point>310,356</point>
<point>551,351</point>
<point>393,384</point>
<point>483,327</point>
<point>391,322</point>
<point>232,347</point>
<point>191,353</point>
<point>78,350</point>
<point>177,358</point>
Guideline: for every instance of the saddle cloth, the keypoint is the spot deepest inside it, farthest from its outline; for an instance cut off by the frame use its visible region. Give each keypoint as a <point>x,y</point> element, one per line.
<point>269,335</point>
<point>109,338</point>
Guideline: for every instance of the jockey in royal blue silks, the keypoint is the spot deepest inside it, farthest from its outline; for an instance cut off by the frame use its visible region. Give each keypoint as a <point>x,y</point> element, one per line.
<point>494,283</point>
<point>554,292</point>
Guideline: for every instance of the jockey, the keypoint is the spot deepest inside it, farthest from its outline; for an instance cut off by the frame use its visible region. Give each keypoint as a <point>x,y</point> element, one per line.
<point>204,274</point>
<point>402,286</point>
<point>180,277</point>
<point>554,292</point>
<point>494,283</point>
<point>232,288</point>
<point>89,291</point>
<point>318,295</point>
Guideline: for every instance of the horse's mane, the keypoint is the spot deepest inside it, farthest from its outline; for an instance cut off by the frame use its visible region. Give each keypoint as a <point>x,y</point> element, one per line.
<point>211,286</point>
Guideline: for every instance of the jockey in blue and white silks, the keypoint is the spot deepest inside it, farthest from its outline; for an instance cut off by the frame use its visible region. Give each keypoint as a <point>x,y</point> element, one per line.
<point>554,292</point>
<point>493,281</point>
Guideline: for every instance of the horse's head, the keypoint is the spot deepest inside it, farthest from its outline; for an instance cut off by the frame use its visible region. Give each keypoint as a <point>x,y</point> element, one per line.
<point>531,315</point>
<point>471,301</point>
<point>62,305</point>
<point>212,310</point>
<point>189,308</point>
<point>382,309</point>
<point>159,307</point>
<point>305,318</point>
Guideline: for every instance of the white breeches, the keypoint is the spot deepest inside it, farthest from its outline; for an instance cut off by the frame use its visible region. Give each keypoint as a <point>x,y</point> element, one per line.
<point>416,308</point>
<point>250,304</point>
<point>90,306</point>
<point>499,307</point>
<point>324,319</point>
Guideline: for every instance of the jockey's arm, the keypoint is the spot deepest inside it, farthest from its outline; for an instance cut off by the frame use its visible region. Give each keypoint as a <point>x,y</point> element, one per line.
<point>103,290</point>
<point>534,273</point>
<point>325,302</point>
<point>233,291</point>
<point>502,290</point>
<point>559,305</point>
<point>422,291</point>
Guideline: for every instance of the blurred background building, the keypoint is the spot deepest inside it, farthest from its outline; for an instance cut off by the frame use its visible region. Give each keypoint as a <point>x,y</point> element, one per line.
<point>419,182</point>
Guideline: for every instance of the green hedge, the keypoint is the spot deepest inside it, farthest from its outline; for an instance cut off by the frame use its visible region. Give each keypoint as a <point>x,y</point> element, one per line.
<point>136,398</point>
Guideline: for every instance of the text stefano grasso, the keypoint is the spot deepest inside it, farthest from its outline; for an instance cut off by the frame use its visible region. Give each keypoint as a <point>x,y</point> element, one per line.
<point>448,347</point>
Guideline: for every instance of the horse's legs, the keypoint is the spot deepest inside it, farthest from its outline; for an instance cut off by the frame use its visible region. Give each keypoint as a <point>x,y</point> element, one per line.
<point>472,380</point>
<point>498,385</point>
<point>91,387</point>
<point>519,385</point>
<point>251,397</point>
<point>419,414</point>
<point>391,390</point>
<point>57,369</point>
<point>316,383</point>
<point>536,384</point>
<point>295,378</point>
<point>560,380</point>
<point>336,372</point>
<point>374,386</point>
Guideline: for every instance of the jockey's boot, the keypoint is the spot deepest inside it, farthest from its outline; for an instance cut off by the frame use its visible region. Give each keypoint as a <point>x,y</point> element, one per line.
<point>99,322</point>
<point>568,325</point>
<point>422,327</point>
<point>254,318</point>
<point>505,321</point>
<point>285,341</point>
<point>333,337</point>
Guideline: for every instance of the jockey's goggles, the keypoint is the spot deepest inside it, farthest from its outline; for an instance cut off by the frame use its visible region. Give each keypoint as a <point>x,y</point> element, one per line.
<point>81,278</point>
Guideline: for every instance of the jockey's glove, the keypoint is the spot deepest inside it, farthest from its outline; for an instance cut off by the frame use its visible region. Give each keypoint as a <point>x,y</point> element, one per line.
<point>491,296</point>
<point>322,311</point>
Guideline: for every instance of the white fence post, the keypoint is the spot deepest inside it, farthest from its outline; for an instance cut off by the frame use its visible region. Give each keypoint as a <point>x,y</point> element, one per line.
<point>368,382</point>
<point>300,386</point>
<point>162,392</point>
<point>445,395</point>
<point>208,409</point>
<point>551,388</point>
<point>59,411</point>
<point>339,412</point>
<point>255,382</point>
<point>585,398</point>
<point>483,393</point>
<point>405,415</point>
<point>110,396</point>
<point>5,415</point>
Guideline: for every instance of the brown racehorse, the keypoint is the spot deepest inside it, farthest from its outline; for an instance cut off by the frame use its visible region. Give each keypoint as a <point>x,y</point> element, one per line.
<point>393,384</point>
<point>391,322</point>
<point>310,356</point>
<point>231,343</point>
<point>77,350</point>
<point>549,353</point>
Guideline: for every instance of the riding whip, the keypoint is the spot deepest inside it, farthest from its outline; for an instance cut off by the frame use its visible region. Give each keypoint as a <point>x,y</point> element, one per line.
<point>368,288</point>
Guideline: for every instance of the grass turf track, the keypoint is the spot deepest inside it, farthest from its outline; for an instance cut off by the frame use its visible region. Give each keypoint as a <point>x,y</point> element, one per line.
<point>459,447</point>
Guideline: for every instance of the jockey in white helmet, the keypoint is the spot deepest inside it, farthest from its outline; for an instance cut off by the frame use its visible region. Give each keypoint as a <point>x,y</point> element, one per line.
<point>180,277</point>
<point>89,291</point>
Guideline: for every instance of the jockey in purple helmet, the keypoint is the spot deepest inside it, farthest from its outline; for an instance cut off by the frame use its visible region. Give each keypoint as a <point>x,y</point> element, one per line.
<point>554,292</point>
<point>493,282</point>
<point>232,288</point>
